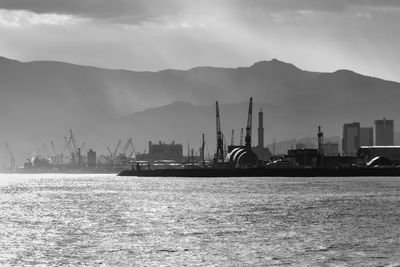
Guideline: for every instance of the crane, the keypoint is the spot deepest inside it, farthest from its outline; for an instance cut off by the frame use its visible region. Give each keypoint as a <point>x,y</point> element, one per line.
<point>113,154</point>
<point>133,150</point>
<point>72,138</point>
<point>202,150</point>
<point>67,145</point>
<point>241,137</point>
<point>126,146</point>
<point>83,145</point>
<point>116,149</point>
<point>219,155</point>
<point>233,138</point>
<point>53,148</point>
<point>247,139</point>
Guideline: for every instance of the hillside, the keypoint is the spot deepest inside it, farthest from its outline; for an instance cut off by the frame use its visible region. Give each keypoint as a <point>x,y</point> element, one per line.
<point>40,101</point>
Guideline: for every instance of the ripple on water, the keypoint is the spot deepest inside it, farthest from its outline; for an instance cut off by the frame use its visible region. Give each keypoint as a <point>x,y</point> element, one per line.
<point>91,220</point>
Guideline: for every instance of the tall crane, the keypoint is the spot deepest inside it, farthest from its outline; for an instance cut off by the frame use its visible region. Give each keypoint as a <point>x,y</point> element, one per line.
<point>11,155</point>
<point>233,138</point>
<point>83,145</point>
<point>116,148</point>
<point>126,146</point>
<point>219,155</point>
<point>53,148</point>
<point>72,138</point>
<point>241,137</point>
<point>202,150</point>
<point>133,150</point>
<point>320,135</point>
<point>247,139</point>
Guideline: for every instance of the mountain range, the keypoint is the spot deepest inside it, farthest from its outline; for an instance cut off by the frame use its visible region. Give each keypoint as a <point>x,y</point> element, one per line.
<point>40,101</point>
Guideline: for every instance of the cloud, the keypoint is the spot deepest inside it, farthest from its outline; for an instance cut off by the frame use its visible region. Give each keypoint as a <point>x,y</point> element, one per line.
<point>133,11</point>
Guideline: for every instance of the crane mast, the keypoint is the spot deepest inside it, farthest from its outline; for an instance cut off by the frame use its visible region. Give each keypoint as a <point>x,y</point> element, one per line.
<point>219,156</point>
<point>247,139</point>
<point>233,138</point>
<point>202,150</point>
<point>241,137</point>
<point>72,138</point>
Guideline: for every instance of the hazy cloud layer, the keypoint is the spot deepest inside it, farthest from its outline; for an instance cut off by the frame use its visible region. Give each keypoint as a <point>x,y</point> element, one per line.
<point>361,35</point>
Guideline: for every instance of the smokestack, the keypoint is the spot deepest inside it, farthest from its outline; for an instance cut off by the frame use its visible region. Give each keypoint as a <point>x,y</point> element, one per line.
<point>260,129</point>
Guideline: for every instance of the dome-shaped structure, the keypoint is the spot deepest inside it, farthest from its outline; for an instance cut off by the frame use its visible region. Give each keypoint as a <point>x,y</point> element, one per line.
<point>241,157</point>
<point>379,161</point>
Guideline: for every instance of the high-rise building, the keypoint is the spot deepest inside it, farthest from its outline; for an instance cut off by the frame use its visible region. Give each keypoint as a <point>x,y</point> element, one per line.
<point>91,158</point>
<point>384,132</point>
<point>366,136</point>
<point>351,138</point>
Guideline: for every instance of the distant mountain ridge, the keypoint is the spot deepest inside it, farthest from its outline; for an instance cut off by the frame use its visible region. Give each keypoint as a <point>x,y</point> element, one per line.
<point>41,100</point>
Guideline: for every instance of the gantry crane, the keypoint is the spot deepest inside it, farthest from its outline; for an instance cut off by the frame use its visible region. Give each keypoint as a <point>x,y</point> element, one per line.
<point>247,139</point>
<point>219,155</point>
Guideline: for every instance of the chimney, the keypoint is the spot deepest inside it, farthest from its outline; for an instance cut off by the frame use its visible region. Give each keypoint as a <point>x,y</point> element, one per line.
<point>260,129</point>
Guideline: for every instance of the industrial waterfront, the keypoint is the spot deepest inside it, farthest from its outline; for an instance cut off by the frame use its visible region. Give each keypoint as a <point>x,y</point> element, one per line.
<point>359,150</point>
<point>86,220</point>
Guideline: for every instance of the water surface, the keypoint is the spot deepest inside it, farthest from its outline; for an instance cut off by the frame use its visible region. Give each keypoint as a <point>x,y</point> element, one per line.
<point>56,219</point>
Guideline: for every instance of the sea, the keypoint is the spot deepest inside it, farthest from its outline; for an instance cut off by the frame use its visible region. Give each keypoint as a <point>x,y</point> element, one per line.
<point>106,220</point>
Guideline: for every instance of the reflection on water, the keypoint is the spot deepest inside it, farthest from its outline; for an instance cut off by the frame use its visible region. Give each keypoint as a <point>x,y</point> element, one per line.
<point>90,219</point>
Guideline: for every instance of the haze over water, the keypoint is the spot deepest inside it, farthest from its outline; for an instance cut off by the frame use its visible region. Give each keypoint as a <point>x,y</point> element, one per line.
<point>74,220</point>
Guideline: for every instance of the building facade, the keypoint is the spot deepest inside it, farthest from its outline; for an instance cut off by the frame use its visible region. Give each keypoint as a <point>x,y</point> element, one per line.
<point>366,136</point>
<point>331,149</point>
<point>351,138</point>
<point>384,132</point>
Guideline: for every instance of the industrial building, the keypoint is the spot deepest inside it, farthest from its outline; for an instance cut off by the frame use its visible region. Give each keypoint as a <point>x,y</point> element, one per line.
<point>384,132</point>
<point>91,158</point>
<point>163,151</point>
<point>330,149</point>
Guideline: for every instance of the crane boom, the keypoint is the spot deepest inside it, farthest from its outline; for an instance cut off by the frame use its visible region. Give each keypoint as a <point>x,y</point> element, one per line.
<point>219,156</point>
<point>247,139</point>
<point>116,149</point>
<point>83,145</point>
<point>109,151</point>
<point>72,138</point>
<point>126,146</point>
<point>8,150</point>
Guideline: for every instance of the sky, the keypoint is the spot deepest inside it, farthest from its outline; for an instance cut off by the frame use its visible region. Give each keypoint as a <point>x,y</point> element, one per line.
<point>316,35</point>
